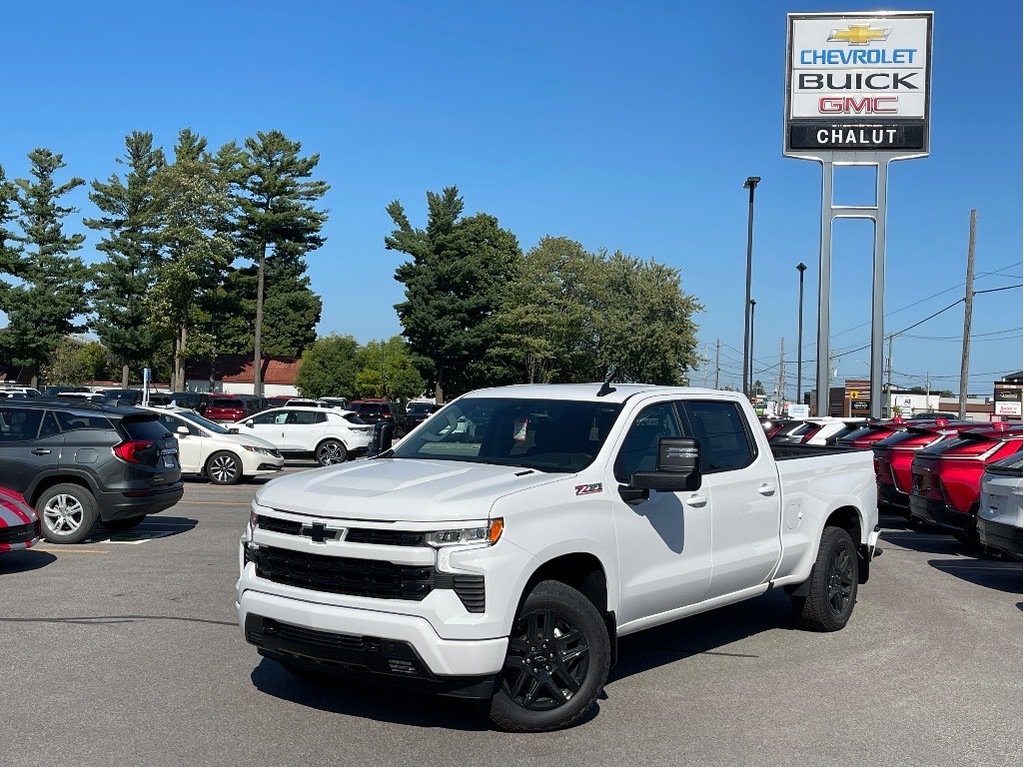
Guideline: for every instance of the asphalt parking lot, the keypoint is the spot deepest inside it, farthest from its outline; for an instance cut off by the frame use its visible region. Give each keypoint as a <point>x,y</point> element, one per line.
<point>124,650</point>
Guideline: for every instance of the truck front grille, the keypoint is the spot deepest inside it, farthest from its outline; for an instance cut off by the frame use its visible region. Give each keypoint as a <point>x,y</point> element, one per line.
<point>344,575</point>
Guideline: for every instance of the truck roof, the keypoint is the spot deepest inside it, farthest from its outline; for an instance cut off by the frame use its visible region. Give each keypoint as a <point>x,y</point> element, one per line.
<point>589,391</point>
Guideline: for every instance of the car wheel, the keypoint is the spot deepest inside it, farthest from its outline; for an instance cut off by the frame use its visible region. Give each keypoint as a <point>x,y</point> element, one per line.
<point>556,664</point>
<point>224,468</point>
<point>331,452</point>
<point>123,524</point>
<point>833,588</point>
<point>67,513</point>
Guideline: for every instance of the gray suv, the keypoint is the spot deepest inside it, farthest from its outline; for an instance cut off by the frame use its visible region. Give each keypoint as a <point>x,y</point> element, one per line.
<point>80,464</point>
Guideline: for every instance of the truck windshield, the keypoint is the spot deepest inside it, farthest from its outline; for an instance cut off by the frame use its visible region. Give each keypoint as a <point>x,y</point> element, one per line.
<point>546,435</point>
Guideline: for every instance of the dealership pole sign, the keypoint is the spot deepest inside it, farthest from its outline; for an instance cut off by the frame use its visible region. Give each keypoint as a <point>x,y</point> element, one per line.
<point>857,93</point>
<point>858,82</point>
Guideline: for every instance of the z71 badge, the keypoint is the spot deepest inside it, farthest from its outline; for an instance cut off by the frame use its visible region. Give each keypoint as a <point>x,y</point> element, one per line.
<point>585,490</point>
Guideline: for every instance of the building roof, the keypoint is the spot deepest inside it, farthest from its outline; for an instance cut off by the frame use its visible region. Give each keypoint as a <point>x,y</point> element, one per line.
<point>238,369</point>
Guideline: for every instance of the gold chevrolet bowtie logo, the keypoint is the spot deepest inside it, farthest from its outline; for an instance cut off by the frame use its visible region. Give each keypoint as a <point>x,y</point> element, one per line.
<point>858,34</point>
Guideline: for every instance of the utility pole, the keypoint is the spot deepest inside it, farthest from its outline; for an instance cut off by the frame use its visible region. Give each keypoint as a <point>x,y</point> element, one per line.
<point>968,306</point>
<point>706,360</point>
<point>888,380</point>
<point>718,350</point>
<point>782,372</point>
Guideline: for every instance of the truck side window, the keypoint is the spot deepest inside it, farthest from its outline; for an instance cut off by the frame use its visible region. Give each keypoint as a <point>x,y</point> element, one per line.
<point>639,451</point>
<point>725,441</point>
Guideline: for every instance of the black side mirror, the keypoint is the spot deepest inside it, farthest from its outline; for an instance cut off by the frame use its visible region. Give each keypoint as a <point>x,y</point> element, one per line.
<point>678,467</point>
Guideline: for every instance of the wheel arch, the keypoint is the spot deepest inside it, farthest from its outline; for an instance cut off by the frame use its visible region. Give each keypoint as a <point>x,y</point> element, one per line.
<point>584,572</point>
<point>46,481</point>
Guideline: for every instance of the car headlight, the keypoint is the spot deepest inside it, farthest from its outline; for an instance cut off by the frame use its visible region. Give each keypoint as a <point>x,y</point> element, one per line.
<point>486,535</point>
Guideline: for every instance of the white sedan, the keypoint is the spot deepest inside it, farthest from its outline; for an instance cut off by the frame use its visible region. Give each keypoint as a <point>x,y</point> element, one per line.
<point>329,435</point>
<point>211,449</point>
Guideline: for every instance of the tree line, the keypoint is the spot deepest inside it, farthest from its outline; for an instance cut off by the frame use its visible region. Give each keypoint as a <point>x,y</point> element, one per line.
<point>203,253</point>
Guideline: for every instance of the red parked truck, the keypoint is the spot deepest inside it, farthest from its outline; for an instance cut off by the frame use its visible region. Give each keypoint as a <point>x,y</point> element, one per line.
<point>895,454</point>
<point>947,477</point>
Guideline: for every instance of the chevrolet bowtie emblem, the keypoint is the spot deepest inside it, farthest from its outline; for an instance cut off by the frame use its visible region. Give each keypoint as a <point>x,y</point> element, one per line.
<point>858,34</point>
<point>319,532</point>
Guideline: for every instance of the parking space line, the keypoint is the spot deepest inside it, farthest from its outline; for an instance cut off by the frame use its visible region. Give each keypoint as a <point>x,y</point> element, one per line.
<point>72,551</point>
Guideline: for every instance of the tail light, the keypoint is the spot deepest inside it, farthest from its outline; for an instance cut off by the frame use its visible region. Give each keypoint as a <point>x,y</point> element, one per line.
<point>129,450</point>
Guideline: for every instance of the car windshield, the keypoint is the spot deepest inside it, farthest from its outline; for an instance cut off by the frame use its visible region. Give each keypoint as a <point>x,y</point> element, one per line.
<point>213,426</point>
<point>546,435</point>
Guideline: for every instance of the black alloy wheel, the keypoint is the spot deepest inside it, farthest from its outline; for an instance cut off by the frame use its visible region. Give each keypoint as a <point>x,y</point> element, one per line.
<point>841,578</point>
<point>547,661</point>
<point>556,664</point>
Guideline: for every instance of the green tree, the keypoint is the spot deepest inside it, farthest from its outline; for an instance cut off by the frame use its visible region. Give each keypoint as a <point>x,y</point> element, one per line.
<point>328,368</point>
<point>76,362</point>
<point>195,247</point>
<point>291,311</point>
<point>125,276</point>
<point>546,317</point>
<point>51,293</point>
<point>386,370</point>
<point>570,316</point>
<point>643,322</point>
<point>277,222</point>
<point>454,287</point>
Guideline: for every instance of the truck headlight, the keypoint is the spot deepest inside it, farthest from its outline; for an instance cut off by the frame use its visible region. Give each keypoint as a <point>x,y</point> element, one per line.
<point>486,535</point>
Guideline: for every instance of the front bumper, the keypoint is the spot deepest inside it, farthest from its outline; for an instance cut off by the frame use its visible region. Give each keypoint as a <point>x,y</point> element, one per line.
<point>361,641</point>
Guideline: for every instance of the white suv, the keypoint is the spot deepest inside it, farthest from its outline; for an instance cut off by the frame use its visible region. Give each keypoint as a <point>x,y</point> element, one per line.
<point>328,435</point>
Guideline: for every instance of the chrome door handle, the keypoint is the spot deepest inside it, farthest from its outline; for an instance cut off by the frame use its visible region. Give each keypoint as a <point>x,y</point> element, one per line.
<point>766,490</point>
<point>41,451</point>
<point>697,501</point>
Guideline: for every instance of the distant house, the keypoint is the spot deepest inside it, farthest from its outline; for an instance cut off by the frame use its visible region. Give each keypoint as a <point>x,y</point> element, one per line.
<point>233,374</point>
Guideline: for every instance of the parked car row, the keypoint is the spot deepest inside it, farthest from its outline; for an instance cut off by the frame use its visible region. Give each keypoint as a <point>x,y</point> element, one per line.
<point>933,469</point>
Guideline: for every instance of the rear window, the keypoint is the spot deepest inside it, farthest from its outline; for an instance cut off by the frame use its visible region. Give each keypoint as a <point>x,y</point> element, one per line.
<point>225,404</point>
<point>144,428</point>
<point>69,422</point>
<point>354,418</point>
<point>370,409</point>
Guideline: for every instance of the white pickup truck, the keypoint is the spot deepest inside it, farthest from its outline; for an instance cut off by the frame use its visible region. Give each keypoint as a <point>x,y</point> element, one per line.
<point>500,550</point>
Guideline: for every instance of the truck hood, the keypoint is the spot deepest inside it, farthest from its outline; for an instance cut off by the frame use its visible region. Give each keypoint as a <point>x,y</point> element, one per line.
<point>400,489</point>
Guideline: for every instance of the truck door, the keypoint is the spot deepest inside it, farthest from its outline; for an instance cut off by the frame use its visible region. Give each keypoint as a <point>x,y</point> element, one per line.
<point>744,498</point>
<point>663,540</point>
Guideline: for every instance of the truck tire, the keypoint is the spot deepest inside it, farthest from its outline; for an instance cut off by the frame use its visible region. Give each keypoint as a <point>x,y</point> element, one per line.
<point>331,452</point>
<point>833,584</point>
<point>67,513</point>
<point>557,661</point>
<point>224,468</point>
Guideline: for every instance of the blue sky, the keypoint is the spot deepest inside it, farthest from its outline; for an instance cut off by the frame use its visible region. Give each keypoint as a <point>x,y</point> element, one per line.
<point>625,126</point>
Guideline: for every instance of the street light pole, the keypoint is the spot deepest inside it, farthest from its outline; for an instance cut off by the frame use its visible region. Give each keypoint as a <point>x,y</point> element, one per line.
<point>800,336</point>
<point>751,184</point>
<point>750,376</point>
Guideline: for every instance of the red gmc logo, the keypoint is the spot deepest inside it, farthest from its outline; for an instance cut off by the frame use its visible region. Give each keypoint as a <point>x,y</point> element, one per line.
<point>851,105</point>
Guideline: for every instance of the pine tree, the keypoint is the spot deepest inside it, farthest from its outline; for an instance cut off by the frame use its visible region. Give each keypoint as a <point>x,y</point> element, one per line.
<point>51,293</point>
<point>278,224</point>
<point>123,279</point>
<point>454,288</point>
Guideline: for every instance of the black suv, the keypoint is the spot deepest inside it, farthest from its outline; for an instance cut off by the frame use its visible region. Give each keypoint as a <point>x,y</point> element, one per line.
<point>79,464</point>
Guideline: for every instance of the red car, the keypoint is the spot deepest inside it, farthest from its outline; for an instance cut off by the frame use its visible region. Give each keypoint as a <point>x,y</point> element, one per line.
<point>19,524</point>
<point>229,408</point>
<point>947,477</point>
<point>895,454</point>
